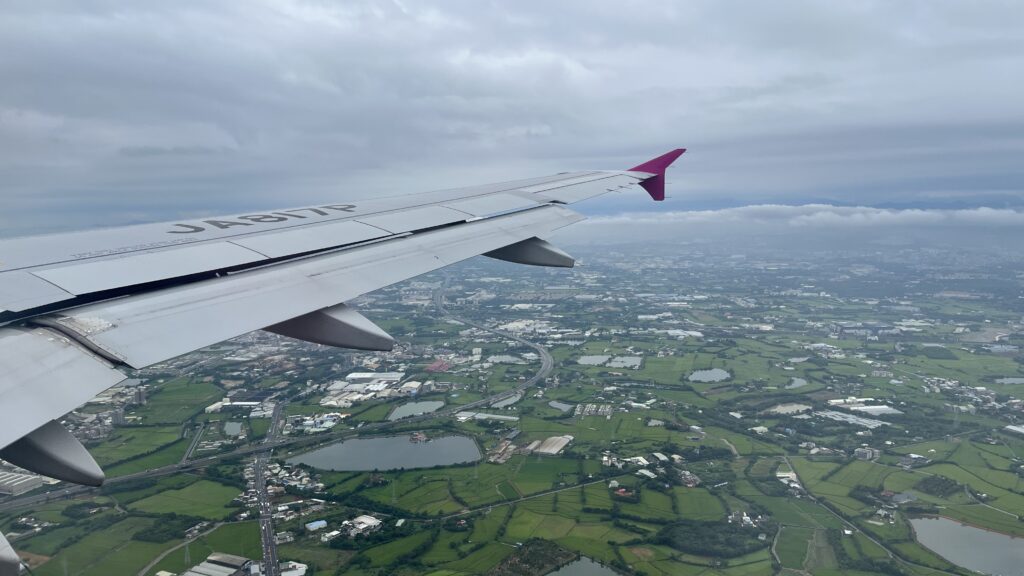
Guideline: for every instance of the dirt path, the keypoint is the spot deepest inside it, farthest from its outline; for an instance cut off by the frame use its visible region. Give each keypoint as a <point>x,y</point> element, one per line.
<point>735,452</point>
<point>163,555</point>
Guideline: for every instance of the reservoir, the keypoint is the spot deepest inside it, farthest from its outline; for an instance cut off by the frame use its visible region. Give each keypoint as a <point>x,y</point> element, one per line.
<point>796,383</point>
<point>583,567</point>
<point>390,453</point>
<point>970,547</point>
<point>712,375</point>
<point>414,408</point>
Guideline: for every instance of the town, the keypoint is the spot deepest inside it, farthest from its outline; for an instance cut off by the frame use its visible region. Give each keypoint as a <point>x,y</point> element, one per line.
<point>672,414</point>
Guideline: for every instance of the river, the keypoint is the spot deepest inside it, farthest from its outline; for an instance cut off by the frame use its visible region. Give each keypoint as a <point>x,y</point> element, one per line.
<point>970,547</point>
<point>390,453</point>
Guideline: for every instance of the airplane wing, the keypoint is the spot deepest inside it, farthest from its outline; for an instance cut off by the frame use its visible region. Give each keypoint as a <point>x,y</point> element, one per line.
<point>77,309</point>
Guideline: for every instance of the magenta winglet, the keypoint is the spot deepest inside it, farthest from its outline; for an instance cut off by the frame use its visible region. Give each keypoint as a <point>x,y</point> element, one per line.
<point>655,185</point>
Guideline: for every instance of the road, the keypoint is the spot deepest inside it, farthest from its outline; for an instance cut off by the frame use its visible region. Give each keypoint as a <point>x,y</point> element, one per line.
<point>547,363</point>
<point>145,570</point>
<point>271,565</point>
<point>195,442</point>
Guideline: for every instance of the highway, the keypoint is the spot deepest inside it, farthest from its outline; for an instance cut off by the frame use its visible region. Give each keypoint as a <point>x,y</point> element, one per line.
<point>271,565</point>
<point>194,443</point>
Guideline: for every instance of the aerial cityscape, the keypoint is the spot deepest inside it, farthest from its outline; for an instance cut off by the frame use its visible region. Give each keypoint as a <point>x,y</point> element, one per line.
<point>531,288</point>
<point>696,411</point>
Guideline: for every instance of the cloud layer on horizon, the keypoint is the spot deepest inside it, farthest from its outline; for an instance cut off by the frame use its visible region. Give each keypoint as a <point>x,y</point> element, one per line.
<point>116,112</point>
<point>804,223</point>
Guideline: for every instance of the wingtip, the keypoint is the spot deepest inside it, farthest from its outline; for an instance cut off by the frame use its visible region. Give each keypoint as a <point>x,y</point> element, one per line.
<point>659,164</point>
<point>655,185</point>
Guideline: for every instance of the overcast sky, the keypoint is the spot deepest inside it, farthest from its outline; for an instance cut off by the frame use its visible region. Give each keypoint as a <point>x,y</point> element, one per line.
<point>114,113</point>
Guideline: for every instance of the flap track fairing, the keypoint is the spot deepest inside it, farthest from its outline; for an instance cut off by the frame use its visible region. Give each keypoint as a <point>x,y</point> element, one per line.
<point>535,252</point>
<point>339,326</point>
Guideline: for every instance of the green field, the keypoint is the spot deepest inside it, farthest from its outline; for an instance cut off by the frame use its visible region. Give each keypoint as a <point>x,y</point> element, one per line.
<point>242,539</point>
<point>203,498</point>
<point>106,552</point>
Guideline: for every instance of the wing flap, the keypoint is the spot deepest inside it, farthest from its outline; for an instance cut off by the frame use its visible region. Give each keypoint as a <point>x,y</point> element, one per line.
<point>44,375</point>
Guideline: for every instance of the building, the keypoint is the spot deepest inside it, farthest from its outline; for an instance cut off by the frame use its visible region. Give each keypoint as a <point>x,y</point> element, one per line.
<point>220,564</point>
<point>293,569</point>
<point>139,397</point>
<point>361,525</point>
<point>325,538</point>
<point>1015,429</point>
<point>865,453</point>
<point>316,525</point>
<point>553,445</point>
<point>16,483</point>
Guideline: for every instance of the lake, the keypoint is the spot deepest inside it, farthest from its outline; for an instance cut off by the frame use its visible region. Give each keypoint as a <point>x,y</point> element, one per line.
<point>970,547</point>
<point>414,408</point>
<point>583,567</point>
<point>712,375</point>
<point>390,453</point>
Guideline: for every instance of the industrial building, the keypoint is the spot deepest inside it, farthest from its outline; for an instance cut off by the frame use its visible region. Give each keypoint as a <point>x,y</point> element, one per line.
<point>15,483</point>
<point>220,564</point>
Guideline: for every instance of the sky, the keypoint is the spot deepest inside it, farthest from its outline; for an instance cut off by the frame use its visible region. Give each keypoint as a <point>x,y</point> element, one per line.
<point>867,114</point>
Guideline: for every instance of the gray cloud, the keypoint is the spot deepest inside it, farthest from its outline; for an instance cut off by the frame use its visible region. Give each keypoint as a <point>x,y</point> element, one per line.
<point>118,112</point>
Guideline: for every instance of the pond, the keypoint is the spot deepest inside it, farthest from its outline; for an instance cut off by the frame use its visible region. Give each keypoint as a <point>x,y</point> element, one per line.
<point>712,375</point>
<point>632,362</point>
<point>390,453</point>
<point>414,408</point>
<point>595,360</point>
<point>1010,381</point>
<point>583,567</point>
<point>232,428</point>
<point>560,406</point>
<point>796,383</point>
<point>970,547</point>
